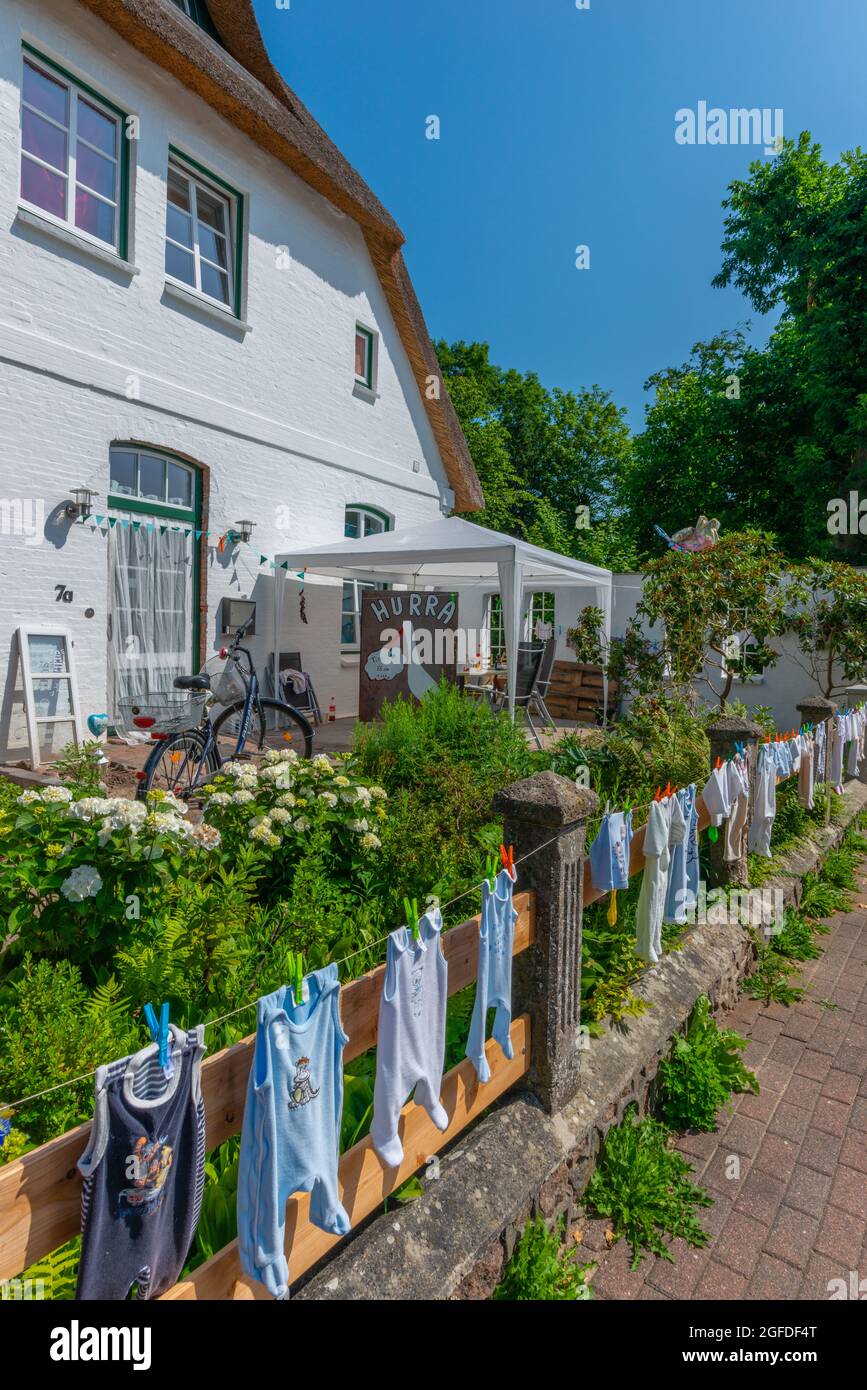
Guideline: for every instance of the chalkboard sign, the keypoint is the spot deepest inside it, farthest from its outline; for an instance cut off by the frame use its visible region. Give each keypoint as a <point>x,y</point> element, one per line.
<point>50,690</point>
<point>408,643</point>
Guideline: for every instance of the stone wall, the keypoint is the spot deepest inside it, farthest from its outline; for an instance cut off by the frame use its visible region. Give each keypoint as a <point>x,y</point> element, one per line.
<point>453,1242</point>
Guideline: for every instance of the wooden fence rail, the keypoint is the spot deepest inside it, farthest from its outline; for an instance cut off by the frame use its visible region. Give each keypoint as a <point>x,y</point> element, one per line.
<point>40,1193</point>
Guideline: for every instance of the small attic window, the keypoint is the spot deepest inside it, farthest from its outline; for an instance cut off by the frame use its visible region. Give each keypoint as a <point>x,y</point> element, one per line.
<point>197,11</point>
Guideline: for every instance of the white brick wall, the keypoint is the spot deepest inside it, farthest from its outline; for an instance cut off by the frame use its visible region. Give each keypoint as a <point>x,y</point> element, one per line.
<point>272,413</point>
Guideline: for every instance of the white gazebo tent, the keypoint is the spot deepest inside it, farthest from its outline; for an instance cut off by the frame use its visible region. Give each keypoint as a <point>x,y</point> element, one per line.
<point>450,553</point>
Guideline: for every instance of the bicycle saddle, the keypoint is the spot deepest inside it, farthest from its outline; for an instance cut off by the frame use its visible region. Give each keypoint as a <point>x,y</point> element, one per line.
<point>192,683</point>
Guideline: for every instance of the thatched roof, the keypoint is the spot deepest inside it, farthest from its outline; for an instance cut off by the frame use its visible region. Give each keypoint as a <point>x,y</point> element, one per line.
<point>241,83</point>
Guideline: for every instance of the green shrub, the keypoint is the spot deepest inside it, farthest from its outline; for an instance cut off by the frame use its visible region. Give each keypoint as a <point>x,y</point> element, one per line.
<point>53,1029</point>
<point>703,1071</point>
<point>541,1271</point>
<point>642,1186</point>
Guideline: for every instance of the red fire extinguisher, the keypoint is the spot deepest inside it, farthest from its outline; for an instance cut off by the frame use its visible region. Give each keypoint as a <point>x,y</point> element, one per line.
<point>332,710</point>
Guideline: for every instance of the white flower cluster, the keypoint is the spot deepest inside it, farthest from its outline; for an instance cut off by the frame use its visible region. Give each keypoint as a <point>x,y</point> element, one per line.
<point>83,882</point>
<point>163,814</point>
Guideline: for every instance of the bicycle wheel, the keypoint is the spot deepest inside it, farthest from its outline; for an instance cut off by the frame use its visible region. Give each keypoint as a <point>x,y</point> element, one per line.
<point>273,724</point>
<point>178,764</point>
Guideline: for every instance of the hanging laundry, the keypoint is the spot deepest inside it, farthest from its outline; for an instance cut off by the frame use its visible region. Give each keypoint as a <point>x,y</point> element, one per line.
<point>654,881</point>
<point>494,975</point>
<point>143,1170</point>
<point>411,1040</point>
<point>738,776</point>
<point>716,795</point>
<point>820,751</point>
<point>609,857</point>
<point>838,729</point>
<point>683,871</point>
<point>291,1131</point>
<point>765,803</point>
<point>805,774</point>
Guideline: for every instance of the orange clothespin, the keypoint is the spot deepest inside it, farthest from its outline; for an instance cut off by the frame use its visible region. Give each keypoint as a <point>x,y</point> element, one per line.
<point>667,791</point>
<point>657,795</point>
<point>508,858</point>
<point>718,763</point>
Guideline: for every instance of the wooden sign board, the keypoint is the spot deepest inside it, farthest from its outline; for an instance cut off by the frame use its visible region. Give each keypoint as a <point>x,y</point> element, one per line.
<point>408,643</point>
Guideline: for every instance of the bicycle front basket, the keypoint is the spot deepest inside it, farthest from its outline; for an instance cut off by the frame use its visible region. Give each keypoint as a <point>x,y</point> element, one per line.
<point>227,681</point>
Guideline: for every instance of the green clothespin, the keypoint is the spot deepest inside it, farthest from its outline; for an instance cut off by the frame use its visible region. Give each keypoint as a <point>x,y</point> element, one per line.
<point>296,965</point>
<point>712,834</point>
<point>492,869</point>
<point>411,910</point>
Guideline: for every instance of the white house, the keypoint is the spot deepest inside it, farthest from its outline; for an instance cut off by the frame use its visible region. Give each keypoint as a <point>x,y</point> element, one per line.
<point>205,320</point>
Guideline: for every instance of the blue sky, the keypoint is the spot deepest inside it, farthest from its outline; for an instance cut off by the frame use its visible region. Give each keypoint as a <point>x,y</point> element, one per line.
<point>557,129</point>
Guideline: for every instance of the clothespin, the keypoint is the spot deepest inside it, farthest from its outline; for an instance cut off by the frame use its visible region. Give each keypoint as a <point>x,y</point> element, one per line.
<point>508,858</point>
<point>611,915</point>
<point>718,763</point>
<point>298,986</point>
<point>657,795</point>
<point>411,910</point>
<point>159,1031</point>
<point>491,870</point>
<point>667,791</point>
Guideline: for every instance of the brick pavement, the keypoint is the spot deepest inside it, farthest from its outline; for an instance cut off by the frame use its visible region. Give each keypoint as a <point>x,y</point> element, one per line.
<point>795,1217</point>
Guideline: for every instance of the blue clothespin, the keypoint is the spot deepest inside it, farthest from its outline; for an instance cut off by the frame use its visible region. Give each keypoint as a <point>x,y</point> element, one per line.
<point>740,748</point>
<point>160,1034</point>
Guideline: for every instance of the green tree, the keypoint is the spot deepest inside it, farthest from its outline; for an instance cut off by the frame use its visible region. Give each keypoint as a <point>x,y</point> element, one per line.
<point>829,619</point>
<point>539,454</point>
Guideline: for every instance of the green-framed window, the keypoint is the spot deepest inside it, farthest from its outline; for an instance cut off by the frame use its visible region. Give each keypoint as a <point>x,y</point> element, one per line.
<point>157,483</point>
<point>365,356</point>
<point>358,522</point>
<point>204,232</point>
<point>75,154</point>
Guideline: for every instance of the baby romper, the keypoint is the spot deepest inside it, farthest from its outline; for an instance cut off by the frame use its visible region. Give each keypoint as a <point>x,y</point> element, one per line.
<point>609,852</point>
<point>675,888</point>
<point>143,1170</point>
<point>683,872</point>
<point>291,1132</point>
<point>805,773</point>
<point>739,792</point>
<point>494,977</point>
<point>716,796</point>
<point>411,1041</point>
<point>765,806</point>
<point>654,880</point>
<point>837,726</point>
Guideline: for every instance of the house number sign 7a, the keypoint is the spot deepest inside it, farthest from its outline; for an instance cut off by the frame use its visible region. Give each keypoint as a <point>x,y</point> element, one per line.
<point>64,595</point>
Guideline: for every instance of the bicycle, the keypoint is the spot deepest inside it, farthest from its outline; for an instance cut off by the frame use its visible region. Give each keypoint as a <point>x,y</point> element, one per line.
<point>183,760</point>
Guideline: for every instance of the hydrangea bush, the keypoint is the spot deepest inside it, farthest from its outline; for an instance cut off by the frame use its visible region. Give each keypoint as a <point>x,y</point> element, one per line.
<point>73,871</point>
<point>284,803</point>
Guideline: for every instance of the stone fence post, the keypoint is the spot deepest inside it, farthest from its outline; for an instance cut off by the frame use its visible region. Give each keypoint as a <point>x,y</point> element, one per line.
<point>724,733</point>
<point>549,810</point>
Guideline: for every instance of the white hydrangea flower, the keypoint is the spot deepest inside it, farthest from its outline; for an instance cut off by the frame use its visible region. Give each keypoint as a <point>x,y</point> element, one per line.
<point>370,841</point>
<point>219,799</point>
<point>241,798</point>
<point>341,781</point>
<point>28,798</point>
<point>301,825</point>
<point>359,826</point>
<point>89,807</point>
<point>56,794</point>
<point>272,756</point>
<point>262,832</point>
<point>362,795</point>
<point>279,815</point>
<point>378,793</point>
<point>83,882</point>
<point>329,798</point>
<point>286,799</point>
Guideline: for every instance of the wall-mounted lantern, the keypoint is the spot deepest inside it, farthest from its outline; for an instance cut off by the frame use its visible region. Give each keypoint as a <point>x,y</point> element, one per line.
<point>243,530</point>
<point>82,503</point>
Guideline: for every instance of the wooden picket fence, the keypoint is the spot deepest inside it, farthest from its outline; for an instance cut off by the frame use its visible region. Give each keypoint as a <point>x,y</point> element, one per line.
<point>40,1193</point>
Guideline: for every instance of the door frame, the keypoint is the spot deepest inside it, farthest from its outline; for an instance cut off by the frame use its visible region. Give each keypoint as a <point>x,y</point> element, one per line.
<point>118,503</point>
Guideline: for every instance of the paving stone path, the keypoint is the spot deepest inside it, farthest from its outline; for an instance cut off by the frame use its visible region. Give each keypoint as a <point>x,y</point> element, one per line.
<point>796,1216</point>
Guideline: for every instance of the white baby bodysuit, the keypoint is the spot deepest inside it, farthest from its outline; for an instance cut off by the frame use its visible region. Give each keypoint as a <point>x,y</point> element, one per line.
<point>411,1040</point>
<point>765,804</point>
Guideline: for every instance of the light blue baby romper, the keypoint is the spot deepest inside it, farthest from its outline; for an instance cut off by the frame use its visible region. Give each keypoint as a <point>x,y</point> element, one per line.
<point>609,852</point>
<point>494,978</point>
<point>291,1131</point>
<point>411,1038</point>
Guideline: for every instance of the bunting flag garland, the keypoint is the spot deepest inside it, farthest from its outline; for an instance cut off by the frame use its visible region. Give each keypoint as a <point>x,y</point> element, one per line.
<point>230,538</point>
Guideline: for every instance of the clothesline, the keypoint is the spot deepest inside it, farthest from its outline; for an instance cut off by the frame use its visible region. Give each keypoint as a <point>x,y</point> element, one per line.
<point>245,1008</point>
